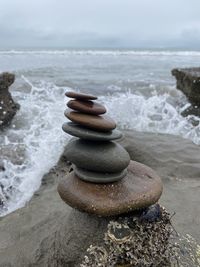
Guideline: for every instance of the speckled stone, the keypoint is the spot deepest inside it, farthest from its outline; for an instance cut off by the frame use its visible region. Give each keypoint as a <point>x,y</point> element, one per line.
<point>97,156</point>
<point>98,177</point>
<point>98,123</point>
<point>89,107</point>
<point>140,188</point>
<point>78,131</point>
<point>80,96</point>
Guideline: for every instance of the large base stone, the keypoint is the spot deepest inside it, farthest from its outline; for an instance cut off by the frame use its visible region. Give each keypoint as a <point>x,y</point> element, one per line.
<point>140,188</point>
<point>98,177</point>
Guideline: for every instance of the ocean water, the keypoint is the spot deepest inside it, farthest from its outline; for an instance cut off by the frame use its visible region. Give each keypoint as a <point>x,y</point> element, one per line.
<point>136,87</point>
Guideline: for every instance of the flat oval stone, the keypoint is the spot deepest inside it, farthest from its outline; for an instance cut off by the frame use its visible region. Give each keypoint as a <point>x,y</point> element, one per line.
<point>76,130</point>
<point>98,123</point>
<point>72,94</point>
<point>97,156</point>
<point>98,177</point>
<point>89,107</point>
<point>139,189</point>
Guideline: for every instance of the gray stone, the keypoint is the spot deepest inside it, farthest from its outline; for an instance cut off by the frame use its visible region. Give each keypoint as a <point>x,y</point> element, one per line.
<point>85,133</point>
<point>98,177</point>
<point>97,156</point>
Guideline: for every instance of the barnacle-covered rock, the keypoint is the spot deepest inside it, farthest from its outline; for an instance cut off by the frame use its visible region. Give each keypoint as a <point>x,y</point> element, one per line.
<point>130,241</point>
<point>134,242</point>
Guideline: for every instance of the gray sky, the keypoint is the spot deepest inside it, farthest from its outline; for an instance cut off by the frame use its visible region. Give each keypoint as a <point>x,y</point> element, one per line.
<point>99,23</point>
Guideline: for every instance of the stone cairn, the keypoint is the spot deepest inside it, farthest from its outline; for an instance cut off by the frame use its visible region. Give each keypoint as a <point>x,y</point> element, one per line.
<point>103,180</point>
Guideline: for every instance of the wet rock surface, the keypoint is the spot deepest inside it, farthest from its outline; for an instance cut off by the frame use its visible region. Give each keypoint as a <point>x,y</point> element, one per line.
<point>45,231</point>
<point>8,107</point>
<point>188,81</point>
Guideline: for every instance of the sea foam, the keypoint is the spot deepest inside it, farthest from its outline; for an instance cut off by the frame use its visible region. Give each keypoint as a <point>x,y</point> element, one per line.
<point>157,113</point>
<point>37,130</point>
<point>115,52</point>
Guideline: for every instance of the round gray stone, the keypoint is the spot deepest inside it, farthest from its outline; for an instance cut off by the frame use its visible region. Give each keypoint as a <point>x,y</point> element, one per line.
<point>103,157</point>
<point>85,133</point>
<point>98,177</point>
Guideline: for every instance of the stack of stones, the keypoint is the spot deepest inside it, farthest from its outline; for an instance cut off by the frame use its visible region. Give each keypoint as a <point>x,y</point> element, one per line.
<point>104,181</point>
<point>95,157</point>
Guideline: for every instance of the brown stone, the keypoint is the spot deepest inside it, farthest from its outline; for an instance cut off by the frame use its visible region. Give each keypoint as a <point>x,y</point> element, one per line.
<point>140,188</point>
<point>80,96</point>
<point>99,123</point>
<point>87,107</point>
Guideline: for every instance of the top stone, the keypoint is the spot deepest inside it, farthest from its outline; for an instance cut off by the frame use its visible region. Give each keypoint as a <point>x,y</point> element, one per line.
<point>80,96</point>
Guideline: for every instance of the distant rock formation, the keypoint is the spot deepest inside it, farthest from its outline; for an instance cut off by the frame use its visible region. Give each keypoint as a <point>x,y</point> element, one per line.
<point>8,107</point>
<point>188,81</point>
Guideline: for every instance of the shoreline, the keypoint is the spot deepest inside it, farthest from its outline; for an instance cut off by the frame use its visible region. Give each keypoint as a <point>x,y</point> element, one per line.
<point>175,159</point>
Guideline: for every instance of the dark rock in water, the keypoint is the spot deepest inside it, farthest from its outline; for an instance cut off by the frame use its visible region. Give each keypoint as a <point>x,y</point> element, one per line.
<point>80,96</point>
<point>79,131</point>
<point>8,107</point>
<point>192,110</point>
<point>98,123</point>
<point>89,107</point>
<point>104,157</point>
<point>140,188</point>
<point>98,177</point>
<point>188,81</point>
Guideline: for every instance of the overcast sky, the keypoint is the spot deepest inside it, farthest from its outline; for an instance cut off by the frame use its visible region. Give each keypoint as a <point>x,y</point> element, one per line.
<point>99,23</point>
